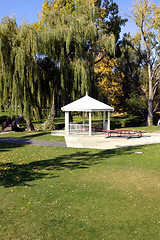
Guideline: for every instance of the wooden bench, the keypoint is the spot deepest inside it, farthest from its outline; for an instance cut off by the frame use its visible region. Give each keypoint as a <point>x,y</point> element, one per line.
<point>128,133</point>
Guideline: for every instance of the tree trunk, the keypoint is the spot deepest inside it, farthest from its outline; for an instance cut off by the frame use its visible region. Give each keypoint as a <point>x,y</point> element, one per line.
<point>53,108</point>
<point>150,113</point>
<point>29,125</point>
<point>150,98</point>
<point>150,95</point>
<point>49,123</point>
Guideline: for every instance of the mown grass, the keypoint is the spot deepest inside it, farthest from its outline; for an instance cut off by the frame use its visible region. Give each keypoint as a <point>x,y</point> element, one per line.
<point>64,193</point>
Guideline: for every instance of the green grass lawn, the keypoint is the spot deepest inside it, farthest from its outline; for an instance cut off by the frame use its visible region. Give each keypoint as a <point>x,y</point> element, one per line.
<point>64,193</point>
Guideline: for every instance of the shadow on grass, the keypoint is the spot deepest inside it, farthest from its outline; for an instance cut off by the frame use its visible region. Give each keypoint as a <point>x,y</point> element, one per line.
<point>23,174</point>
<point>27,141</point>
<point>31,135</point>
<point>25,135</point>
<point>24,138</point>
<point>5,146</point>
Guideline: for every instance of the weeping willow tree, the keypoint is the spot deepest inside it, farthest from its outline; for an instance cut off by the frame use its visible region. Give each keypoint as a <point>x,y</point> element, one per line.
<point>74,33</point>
<point>8,33</point>
<point>74,39</point>
<point>20,85</point>
<point>50,85</point>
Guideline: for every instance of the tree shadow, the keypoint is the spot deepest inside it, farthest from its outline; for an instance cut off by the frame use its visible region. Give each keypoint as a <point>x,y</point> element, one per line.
<point>5,146</point>
<point>23,174</point>
<point>31,135</point>
<point>22,141</point>
<point>15,142</point>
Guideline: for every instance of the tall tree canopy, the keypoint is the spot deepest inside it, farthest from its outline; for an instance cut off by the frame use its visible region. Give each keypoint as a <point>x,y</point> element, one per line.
<point>144,16</point>
<point>131,59</point>
<point>76,32</point>
<point>59,51</point>
<point>157,20</point>
<point>18,75</point>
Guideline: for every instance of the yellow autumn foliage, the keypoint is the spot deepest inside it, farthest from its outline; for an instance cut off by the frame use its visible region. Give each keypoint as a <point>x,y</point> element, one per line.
<point>157,20</point>
<point>110,81</point>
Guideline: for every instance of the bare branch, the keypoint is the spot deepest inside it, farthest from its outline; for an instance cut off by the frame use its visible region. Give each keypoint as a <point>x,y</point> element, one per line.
<point>154,72</point>
<point>156,107</point>
<point>156,87</point>
<point>99,60</point>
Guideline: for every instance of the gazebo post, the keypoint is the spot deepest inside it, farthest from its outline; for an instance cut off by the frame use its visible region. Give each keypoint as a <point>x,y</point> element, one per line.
<point>83,118</point>
<point>104,120</point>
<point>90,124</point>
<point>108,125</point>
<point>67,123</point>
<point>83,121</point>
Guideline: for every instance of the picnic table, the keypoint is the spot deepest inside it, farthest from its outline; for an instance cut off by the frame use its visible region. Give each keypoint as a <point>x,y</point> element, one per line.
<point>96,128</point>
<point>128,133</point>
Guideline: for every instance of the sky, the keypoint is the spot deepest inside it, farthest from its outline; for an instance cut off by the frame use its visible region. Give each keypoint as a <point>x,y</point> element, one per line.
<point>125,6</point>
<point>27,10</point>
<point>23,10</point>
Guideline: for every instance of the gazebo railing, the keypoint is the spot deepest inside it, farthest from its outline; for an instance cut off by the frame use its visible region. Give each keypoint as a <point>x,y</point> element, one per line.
<point>78,128</point>
<point>84,128</point>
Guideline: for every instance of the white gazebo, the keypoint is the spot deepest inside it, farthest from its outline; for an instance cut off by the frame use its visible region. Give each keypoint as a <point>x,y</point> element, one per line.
<point>87,104</point>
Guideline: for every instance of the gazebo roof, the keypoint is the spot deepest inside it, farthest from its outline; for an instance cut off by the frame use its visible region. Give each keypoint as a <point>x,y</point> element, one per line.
<point>86,104</point>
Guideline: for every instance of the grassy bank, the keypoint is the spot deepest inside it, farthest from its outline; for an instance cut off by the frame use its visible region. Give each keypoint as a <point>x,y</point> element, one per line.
<point>61,193</point>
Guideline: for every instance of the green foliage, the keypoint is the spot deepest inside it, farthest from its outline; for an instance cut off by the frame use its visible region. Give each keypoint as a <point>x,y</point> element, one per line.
<point>111,21</point>
<point>18,77</point>
<point>8,31</point>
<point>75,38</point>
<point>135,101</point>
<point>131,57</point>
